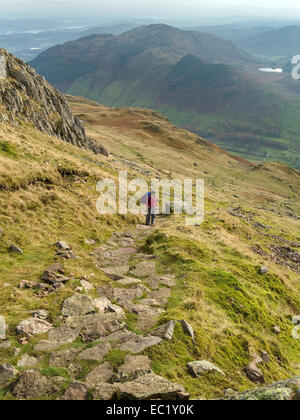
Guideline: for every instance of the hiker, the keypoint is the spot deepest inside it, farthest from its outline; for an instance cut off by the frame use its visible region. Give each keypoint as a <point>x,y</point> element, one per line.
<point>150,201</point>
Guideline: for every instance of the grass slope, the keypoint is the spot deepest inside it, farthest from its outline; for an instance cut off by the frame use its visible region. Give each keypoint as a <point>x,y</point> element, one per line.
<point>47,192</point>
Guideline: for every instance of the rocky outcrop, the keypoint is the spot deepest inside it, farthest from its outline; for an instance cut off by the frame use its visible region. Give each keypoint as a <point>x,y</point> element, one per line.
<point>26,97</point>
<point>280,391</point>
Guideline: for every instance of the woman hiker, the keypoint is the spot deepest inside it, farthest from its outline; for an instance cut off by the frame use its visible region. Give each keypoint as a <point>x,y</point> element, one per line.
<point>150,201</point>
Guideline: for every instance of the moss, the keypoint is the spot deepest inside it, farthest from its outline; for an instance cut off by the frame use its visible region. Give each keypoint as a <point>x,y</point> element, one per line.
<point>8,149</point>
<point>51,372</point>
<point>116,358</point>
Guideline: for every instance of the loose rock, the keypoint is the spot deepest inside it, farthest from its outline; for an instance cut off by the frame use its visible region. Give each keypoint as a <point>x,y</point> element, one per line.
<point>100,374</point>
<point>7,374</point>
<point>33,326</point>
<point>95,353</point>
<point>202,367</point>
<point>150,387</point>
<point>165,331</point>
<point>78,305</point>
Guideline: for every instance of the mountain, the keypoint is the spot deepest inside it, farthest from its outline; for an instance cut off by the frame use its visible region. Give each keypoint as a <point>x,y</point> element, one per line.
<point>27,97</point>
<point>186,76</point>
<point>64,64</point>
<point>281,42</point>
<point>71,328</point>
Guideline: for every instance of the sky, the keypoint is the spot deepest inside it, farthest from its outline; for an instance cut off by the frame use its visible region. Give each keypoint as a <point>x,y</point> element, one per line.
<point>152,9</point>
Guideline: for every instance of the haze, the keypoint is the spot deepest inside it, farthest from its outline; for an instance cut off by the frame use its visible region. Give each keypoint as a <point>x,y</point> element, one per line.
<point>152,9</point>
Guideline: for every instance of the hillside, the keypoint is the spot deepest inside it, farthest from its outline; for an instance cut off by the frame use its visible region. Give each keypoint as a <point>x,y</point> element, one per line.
<point>281,42</point>
<point>197,80</point>
<point>210,276</point>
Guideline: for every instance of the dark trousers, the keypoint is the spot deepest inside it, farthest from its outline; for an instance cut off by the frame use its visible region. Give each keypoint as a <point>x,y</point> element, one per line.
<point>150,218</point>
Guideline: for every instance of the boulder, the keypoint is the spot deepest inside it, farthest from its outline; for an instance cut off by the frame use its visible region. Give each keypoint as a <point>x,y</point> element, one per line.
<point>27,361</point>
<point>128,281</point>
<point>96,326</point>
<point>33,326</point>
<point>31,386</point>
<point>138,343</point>
<point>63,334</point>
<point>5,345</point>
<point>161,295</point>
<point>202,368</point>
<point>14,249</point>
<point>95,353</point>
<point>40,313</point>
<point>104,392</point>
<point>165,331</point>
<point>280,391</point>
<point>7,374</point>
<point>100,374</point>
<point>52,278</point>
<point>264,270</point>
<point>63,358</point>
<point>116,273</point>
<point>144,269</point>
<point>87,285</point>
<point>45,345</point>
<point>101,304</point>
<point>150,387</point>
<point>63,246</point>
<point>254,373</point>
<point>188,329</point>
<point>2,328</point>
<point>134,366</point>
<point>78,305</point>
<point>77,391</point>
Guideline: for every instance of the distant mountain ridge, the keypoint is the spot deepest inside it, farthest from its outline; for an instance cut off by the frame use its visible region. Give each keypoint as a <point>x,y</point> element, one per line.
<point>277,42</point>
<point>197,80</point>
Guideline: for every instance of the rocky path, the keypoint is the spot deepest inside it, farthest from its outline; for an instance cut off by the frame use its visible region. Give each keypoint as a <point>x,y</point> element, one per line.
<point>122,317</point>
<point>92,327</point>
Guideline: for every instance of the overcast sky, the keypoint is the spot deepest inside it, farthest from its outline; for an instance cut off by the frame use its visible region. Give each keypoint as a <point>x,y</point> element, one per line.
<point>172,9</point>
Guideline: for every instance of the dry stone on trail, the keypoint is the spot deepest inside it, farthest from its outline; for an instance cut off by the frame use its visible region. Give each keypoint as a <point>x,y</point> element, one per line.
<point>95,326</point>
<point>150,387</point>
<point>7,374</point>
<point>33,326</point>
<point>138,344</point>
<point>100,324</point>
<point>63,334</point>
<point>116,273</point>
<point>28,362</point>
<point>144,269</point>
<point>78,305</point>
<point>76,392</point>
<point>63,358</point>
<point>102,373</point>
<point>134,366</point>
<point>95,353</point>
